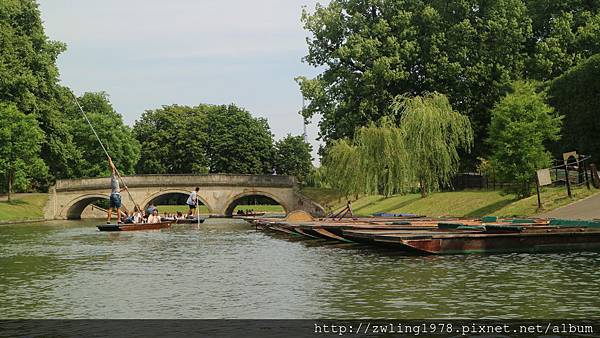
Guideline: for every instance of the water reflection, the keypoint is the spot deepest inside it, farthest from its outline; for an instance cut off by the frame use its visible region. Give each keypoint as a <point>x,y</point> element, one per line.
<point>226,269</point>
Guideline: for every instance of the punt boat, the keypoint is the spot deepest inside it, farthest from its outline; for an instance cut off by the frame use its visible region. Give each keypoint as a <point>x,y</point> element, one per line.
<point>134,226</point>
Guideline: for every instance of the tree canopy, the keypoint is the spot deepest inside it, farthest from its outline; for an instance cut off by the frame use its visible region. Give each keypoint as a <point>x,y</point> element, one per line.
<point>389,159</point>
<point>470,50</point>
<point>521,123</point>
<point>293,157</point>
<point>575,96</point>
<point>29,80</point>
<point>238,142</point>
<point>117,137</point>
<point>173,140</point>
<point>20,146</point>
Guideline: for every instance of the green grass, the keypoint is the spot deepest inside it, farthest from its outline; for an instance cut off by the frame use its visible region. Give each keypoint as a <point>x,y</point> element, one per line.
<point>172,209</point>
<point>23,207</point>
<point>475,203</point>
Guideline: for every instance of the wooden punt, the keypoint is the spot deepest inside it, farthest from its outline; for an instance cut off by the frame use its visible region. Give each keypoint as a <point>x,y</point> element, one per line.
<point>134,227</point>
<point>529,240</point>
<point>189,221</point>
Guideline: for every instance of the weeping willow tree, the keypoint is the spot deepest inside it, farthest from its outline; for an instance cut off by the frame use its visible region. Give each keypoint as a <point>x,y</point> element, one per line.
<point>374,162</point>
<point>434,134</point>
<point>387,159</point>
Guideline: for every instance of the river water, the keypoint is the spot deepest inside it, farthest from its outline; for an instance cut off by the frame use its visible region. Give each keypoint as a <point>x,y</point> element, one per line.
<point>226,269</point>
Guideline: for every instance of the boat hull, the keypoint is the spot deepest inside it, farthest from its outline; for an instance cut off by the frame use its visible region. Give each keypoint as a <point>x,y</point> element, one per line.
<point>134,227</point>
<point>502,243</point>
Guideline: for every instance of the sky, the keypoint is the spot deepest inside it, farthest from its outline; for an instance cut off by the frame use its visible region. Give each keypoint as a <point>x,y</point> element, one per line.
<point>150,53</point>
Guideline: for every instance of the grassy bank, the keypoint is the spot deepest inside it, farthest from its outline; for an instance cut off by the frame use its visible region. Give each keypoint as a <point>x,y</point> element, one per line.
<point>22,207</point>
<point>459,203</point>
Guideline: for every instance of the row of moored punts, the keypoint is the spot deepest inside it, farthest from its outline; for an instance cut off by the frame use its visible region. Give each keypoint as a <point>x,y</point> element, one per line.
<point>417,234</point>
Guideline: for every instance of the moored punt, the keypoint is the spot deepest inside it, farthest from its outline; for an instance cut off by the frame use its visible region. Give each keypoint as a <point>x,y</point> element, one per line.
<point>189,221</point>
<point>134,226</point>
<point>526,240</point>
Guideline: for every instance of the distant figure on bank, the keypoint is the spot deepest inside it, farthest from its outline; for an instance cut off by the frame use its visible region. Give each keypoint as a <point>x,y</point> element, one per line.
<point>115,193</point>
<point>180,215</point>
<point>154,218</point>
<point>192,201</point>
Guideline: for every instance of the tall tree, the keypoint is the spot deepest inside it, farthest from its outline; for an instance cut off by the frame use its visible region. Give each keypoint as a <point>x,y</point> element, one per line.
<point>29,79</point>
<point>575,96</point>
<point>521,123</point>
<point>376,161</point>
<point>117,137</point>
<point>237,142</point>
<point>20,145</point>
<point>173,140</point>
<point>293,157</point>
<point>435,134</point>
<point>368,52</point>
<point>372,51</point>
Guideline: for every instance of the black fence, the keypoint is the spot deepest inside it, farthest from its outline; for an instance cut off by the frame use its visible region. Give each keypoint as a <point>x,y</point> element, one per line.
<point>574,172</point>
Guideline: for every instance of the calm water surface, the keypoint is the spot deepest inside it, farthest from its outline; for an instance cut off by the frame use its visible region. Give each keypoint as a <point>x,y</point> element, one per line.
<point>226,269</point>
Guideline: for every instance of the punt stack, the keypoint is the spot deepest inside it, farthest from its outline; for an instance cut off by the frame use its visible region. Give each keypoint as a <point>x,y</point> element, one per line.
<point>442,236</point>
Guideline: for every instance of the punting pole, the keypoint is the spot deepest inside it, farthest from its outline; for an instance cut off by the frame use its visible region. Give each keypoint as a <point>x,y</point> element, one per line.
<point>103,148</point>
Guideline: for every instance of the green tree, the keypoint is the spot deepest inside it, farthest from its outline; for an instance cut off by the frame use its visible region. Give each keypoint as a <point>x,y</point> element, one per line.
<point>434,135</point>
<point>372,51</point>
<point>293,157</point>
<point>368,52</point>
<point>388,159</point>
<point>376,161</point>
<point>20,146</point>
<point>29,79</point>
<point>521,123</point>
<point>117,137</point>
<point>575,96</point>
<point>237,142</point>
<point>173,140</point>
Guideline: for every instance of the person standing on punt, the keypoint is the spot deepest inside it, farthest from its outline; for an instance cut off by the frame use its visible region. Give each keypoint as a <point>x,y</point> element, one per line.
<point>192,201</point>
<point>115,193</point>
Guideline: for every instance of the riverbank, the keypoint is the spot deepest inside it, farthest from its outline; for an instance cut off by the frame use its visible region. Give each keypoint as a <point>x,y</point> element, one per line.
<point>457,203</point>
<point>23,207</point>
<point>475,203</point>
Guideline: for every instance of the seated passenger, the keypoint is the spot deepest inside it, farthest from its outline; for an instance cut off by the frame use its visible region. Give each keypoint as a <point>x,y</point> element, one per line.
<point>154,218</point>
<point>130,218</point>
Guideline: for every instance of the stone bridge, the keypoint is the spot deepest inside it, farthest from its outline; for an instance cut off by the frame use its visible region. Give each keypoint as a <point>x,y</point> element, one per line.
<point>218,192</point>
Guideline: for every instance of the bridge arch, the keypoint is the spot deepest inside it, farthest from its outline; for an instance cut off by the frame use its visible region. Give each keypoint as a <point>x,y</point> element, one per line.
<point>75,207</point>
<point>161,193</point>
<point>231,203</point>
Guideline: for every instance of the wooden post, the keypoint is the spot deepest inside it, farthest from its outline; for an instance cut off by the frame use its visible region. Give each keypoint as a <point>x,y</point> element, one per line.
<point>537,188</point>
<point>585,171</point>
<point>568,181</point>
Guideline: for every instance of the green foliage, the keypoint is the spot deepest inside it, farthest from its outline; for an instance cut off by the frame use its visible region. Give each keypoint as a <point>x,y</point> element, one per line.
<point>237,142</point>
<point>470,50</point>
<point>521,123</point>
<point>293,157</point>
<point>20,146</point>
<point>434,135</point>
<point>173,140</point>
<point>387,159</point>
<point>117,137</point>
<point>206,138</point>
<point>29,80</point>
<point>575,95</point>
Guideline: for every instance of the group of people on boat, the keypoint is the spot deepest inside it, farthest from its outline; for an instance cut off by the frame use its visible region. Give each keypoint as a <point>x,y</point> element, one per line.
<point>241,212</point>
<point>150,215</point>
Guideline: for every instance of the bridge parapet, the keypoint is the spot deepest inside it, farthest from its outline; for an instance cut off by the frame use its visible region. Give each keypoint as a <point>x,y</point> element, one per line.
<point>141,181</point>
